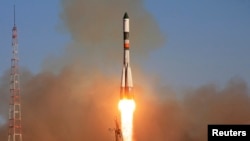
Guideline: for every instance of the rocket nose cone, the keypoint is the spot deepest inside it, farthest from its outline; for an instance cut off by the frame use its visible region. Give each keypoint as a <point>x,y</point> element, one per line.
<point>125,16</point>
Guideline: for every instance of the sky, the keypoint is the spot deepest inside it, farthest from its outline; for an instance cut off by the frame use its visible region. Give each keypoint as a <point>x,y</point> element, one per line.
<point>206,41</point>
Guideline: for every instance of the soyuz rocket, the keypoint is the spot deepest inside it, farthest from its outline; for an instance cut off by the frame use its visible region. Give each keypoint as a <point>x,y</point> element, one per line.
<point>126,91</point>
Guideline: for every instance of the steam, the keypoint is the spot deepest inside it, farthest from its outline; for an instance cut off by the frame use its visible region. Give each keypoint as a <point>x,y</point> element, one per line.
<point>79,102</point>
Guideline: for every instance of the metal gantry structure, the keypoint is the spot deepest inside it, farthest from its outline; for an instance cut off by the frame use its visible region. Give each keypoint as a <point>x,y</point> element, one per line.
<point>118,132</point>
<point>15,128</point>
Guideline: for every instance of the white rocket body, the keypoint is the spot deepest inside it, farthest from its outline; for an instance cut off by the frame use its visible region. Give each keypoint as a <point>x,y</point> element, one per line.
<point>126,81</point>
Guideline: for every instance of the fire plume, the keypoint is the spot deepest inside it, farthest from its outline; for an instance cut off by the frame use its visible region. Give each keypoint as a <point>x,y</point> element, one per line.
<point>127,108</point>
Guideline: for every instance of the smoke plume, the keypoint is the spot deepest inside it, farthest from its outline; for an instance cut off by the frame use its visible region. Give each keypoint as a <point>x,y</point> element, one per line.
<point>79,102</point>
<point>96,28</point>
<point>185,119</point>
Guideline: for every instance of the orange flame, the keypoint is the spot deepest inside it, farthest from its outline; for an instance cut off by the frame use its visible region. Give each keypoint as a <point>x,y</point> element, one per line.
<point>127,108</point>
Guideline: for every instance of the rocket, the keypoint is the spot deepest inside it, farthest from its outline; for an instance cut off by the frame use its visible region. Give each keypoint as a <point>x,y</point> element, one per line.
<point>126,80</point>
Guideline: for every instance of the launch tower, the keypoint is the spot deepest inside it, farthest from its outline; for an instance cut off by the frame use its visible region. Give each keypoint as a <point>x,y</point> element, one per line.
<point>15,128</point>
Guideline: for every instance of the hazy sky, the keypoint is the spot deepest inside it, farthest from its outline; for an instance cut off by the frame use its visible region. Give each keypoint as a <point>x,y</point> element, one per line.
<point>206,41</point>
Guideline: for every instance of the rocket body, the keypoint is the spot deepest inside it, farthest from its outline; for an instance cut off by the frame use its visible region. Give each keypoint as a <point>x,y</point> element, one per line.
<point>126,80</point>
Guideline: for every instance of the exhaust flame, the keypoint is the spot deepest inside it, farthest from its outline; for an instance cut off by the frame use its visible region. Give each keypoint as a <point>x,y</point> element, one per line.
<point>127,108</point>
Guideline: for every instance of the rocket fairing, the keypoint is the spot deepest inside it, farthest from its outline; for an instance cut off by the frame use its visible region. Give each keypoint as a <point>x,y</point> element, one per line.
<point>126,80</point>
